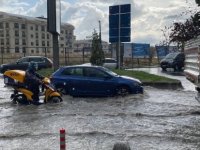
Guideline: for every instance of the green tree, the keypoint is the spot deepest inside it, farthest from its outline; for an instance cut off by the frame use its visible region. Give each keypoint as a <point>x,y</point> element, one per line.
<point>97,56</point>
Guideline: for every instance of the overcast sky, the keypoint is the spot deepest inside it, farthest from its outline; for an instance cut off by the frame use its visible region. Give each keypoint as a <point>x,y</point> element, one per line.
<point>148,16</point>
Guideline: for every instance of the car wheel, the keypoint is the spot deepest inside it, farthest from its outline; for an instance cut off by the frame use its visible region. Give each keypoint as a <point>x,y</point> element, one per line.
<point>121,146</point>
<point>123,90</point>
<point>163,69</point>
<point>176,68</point>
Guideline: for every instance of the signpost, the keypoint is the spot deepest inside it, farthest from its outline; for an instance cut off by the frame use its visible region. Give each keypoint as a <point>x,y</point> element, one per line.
<point>119,27</point>
<point>53,26</point>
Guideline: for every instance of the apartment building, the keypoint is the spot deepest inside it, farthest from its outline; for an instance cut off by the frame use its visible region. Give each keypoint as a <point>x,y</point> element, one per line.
<point>22,34</point>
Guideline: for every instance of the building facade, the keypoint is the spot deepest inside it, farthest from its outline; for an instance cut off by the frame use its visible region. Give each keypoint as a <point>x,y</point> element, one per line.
<point>22,34</point>
<point>86,46</point>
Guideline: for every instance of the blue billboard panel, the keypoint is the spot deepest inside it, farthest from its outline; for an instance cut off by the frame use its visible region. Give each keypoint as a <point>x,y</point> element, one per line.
<point>162,51</point>
<point>113,21</point>
<point>125,32</point>
<point>125,20</point>
<point>140,50</point>
<point>120,23</point>
<point>114,32</point>
<point>125,8</point>
<point>114,10</point>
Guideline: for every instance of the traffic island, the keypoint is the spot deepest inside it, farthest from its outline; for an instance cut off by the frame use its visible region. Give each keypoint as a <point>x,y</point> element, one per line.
<point>164,85</point>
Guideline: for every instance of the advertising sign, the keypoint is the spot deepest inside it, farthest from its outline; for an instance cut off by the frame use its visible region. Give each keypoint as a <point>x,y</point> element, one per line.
<point>128,50</point>
<point>120,23</point>
<point>162,51</point>
<point>140,50</point>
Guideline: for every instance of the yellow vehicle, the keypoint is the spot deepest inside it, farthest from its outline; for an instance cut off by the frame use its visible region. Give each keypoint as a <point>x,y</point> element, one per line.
<point>22,95</point>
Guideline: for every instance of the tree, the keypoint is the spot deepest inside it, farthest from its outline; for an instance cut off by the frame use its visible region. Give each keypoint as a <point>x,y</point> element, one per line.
<point>198,2</point>
<point>182,32</point>
<point>97,56</point>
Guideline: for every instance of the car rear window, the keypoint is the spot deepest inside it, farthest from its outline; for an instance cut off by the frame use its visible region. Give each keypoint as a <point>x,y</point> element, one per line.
<point>110,61</point>
<point>73,71</point>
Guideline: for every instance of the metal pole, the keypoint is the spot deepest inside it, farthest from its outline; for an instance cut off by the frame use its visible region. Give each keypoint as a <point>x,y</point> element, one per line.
<point>55,51</point>
<point>65,56</point>
<point>119,50</point>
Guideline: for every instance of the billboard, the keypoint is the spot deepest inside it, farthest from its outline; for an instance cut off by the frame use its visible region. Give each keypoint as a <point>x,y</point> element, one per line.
<point>162,51</point>
<point>53,16</point>
<point>120,23</point>
<point>140,50</point>
<point>128,50</point>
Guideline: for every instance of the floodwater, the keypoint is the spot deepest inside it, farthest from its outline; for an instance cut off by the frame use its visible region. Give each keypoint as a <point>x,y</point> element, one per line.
<point>157,120</point>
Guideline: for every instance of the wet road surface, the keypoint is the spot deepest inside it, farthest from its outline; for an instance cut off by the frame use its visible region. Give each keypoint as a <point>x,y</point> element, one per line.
<point>157,120</point>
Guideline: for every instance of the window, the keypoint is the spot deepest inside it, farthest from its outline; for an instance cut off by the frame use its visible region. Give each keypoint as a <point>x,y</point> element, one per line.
<point>37,50</point>
<point>7,25</point>
<point>47,43</point>
<point>24,49</point>
<point>37,59</point>
<point>7,33</point>
<point>8,50</point>
<point>73,71</point>
<point>16,41</point>
<point>61,38</point>
<point>23,34</point>
<point>2,49</point>
<point>1,25</point>
<point>36,35</point>
<point>2,41</point>
<point>66,32</point>
<point>43,28</point>
<point>31,27</point>
<point>31,35</point>
<point>43,43</point>
<point>92,72</point>
<point>43,36</point>
<point>36,27</point>
<point>32,51</point>
<point>47,36</point>
<point>23,26</point>
<point>16,25</point>
<point>7,42</point>
<point>32,43</point>
<point>23,42</point>
<point>1,33</point>
<point>37,43</point>
<point>16,33</point>
<point>23,60</point>
<point>62,32</point>
<point>16,49</point>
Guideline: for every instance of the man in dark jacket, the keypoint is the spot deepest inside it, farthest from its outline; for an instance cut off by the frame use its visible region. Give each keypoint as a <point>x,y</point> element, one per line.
<point>33,81</point>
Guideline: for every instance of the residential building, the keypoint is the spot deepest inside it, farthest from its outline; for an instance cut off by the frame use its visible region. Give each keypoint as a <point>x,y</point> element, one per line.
<point>22,34</point>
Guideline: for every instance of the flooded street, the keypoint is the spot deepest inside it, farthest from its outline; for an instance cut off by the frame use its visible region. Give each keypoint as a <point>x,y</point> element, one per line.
<point>157,120</point>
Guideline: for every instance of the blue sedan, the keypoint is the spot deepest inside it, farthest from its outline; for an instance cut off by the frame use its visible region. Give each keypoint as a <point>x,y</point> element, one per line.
<point>82,80</point>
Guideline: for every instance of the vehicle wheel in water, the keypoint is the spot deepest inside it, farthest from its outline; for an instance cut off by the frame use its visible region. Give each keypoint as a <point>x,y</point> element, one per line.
<point>123,90</point>
<point>20,99</point>
<point>163,69</point>
<point>55,99</point>
<point>121,146</point>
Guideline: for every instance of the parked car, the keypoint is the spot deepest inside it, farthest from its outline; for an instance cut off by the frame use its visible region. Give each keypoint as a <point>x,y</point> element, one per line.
<point>22,63</point>
<point>83,80</point>
<point>173,60</point>
<point>110,63</point>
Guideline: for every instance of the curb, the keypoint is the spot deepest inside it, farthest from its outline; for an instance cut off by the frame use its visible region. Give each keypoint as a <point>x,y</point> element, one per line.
<point>164,85</point>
